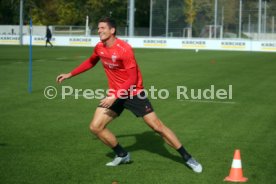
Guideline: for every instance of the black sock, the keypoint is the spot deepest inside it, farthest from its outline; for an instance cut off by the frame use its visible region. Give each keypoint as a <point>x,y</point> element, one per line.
<point>120,152</point>
<point>186,156</point>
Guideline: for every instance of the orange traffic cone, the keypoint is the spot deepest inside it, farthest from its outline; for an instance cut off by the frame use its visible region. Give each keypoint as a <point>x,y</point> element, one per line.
<point>236,174</point>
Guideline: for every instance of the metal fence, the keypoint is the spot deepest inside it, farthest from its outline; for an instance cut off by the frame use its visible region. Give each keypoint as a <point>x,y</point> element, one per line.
<point>214,19</point>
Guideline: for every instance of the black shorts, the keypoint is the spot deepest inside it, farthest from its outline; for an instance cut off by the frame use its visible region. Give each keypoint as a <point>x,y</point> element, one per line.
<point>138,106</point>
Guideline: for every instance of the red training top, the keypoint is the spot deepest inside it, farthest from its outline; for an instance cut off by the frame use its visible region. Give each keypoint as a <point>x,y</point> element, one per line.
<point>120,67</point>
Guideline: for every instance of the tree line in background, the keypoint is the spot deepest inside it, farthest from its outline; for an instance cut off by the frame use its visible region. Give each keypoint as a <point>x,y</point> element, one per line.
<point>184,13</point>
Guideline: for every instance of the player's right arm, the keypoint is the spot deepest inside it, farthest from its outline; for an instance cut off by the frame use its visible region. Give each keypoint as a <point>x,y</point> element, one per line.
<point>86,65</point>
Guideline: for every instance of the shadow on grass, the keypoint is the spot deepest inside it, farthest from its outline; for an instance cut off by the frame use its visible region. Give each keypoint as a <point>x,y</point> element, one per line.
<point>151,142</point>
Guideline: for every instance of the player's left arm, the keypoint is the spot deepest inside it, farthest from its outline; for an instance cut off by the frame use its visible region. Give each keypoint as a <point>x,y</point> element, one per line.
<point>131,81</point>
<point>109,100</point>
<point>130,65</point>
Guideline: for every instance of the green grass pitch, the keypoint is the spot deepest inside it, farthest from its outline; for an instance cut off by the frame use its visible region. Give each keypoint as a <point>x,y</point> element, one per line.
<point>48,141</point>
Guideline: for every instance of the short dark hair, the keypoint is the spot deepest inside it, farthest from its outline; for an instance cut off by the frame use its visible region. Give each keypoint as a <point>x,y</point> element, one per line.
<point>110,22</point>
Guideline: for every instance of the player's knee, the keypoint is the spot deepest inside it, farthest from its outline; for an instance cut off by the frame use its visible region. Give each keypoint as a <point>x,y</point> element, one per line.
<point>95,129</point>
<point>158,126</point>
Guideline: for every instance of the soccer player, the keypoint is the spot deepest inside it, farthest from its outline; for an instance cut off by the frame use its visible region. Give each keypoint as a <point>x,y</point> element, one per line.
<point>123,74</point>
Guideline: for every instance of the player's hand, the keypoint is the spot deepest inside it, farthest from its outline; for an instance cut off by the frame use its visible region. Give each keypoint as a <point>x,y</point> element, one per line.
<point>62,77</point>
<point>107,101</point>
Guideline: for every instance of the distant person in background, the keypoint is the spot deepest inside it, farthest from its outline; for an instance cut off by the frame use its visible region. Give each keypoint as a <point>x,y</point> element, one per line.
<point>48,37</point>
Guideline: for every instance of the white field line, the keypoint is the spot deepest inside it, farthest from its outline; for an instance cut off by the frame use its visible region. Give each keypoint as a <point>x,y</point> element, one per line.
<point>61,58</point>
<point>74,95</point>
<point>83,56</point>
<point>19,62</point>
<point>40,60</point>
<point>210,101</point>
<point>192,101</point>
